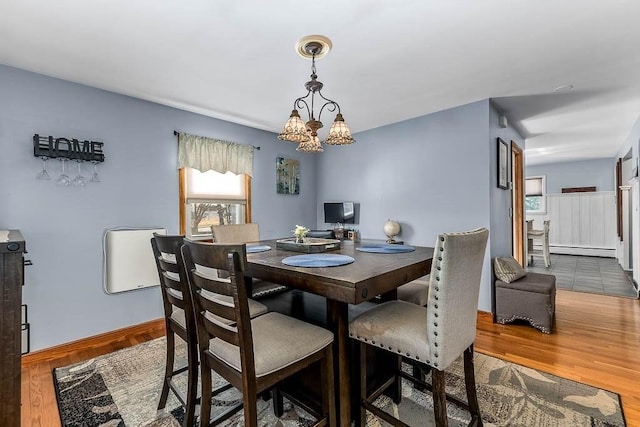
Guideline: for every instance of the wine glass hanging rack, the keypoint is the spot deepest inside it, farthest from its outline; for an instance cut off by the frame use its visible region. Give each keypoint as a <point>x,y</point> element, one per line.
<point>67,148</point>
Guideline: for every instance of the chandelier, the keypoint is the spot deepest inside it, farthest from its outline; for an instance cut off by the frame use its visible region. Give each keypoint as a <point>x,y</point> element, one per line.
<point>306,134</point>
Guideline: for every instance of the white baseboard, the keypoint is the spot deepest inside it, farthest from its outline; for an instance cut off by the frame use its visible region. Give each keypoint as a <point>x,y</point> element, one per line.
<point>573,250</point>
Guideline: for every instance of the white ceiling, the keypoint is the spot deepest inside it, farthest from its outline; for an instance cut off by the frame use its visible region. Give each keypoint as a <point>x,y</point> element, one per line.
<point>391,60</point>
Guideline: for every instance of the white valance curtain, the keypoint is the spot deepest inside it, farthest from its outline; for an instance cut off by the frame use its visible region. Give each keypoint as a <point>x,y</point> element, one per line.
<point>204,154</point>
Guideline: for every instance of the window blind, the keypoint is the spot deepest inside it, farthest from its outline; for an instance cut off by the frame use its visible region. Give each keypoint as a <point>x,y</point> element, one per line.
<point>211,186</point>
<point>533,186</point>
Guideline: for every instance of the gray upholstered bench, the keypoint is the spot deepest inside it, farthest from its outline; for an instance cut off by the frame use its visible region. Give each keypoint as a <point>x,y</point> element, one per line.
<point>531,298</point>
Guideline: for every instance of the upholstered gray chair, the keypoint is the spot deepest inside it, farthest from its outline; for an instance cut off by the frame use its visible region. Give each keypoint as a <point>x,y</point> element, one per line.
<point>251,354</point>
<point>433,336</point>
<point>246,233</point>
<point>415,292</point>
<point>236,233</point>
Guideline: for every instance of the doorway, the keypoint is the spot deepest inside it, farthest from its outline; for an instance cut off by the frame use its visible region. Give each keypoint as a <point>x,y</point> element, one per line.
<point>517,203</point>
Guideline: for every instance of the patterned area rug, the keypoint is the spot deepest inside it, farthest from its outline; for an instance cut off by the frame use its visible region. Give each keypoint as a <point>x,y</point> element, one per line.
<point>123,388</point>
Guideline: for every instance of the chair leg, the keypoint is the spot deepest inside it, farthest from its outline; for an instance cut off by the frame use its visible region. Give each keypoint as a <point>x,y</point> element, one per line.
<point>249,403</point>
<point>168,369</point>
<point>470,385</point>
<point>396,388</point>
<point>328,395</point>
<point>545,249</point>
<point>439,398</point>
<point>192,385</point>
<point>362,412</point>
<point>205,392</point>
<point>278,402</point>
<point>418,373</point>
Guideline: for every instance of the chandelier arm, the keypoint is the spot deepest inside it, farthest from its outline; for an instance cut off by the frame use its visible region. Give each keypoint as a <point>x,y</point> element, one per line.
<point>301,103</point>
<point>330,105</point>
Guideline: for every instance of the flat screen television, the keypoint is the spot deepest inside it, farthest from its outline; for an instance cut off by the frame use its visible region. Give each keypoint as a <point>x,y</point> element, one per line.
<point>339,212</point>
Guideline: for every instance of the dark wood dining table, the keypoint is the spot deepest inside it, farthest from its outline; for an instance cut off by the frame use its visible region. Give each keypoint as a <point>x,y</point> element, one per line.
<point>371,274</point>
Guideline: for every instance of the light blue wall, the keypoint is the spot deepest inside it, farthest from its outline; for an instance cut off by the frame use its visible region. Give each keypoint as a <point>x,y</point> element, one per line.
<point>586,173</point>
<point>502,231</point>
<point>63,227</point>
<point>432,174</point>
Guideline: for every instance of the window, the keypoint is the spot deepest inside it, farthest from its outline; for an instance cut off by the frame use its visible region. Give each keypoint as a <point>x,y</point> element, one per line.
<point>212,198</point>
<point>534,201</point>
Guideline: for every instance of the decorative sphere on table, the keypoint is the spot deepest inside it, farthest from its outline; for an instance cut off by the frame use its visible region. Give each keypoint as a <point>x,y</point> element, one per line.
<point>391,229</point>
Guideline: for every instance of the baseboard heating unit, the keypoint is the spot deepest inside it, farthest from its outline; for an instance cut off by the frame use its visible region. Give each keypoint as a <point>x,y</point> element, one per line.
<point>128,261</point>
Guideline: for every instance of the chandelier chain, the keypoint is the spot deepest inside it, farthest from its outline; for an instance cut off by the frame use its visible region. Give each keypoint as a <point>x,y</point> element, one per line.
<point>313,67</point>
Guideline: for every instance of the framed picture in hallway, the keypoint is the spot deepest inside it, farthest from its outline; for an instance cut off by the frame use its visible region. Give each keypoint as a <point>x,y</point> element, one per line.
<point>503,164</point>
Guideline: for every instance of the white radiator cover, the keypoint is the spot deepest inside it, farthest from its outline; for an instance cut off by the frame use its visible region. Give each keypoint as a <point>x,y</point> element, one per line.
<point>128,261</point>
<point>581,223</point>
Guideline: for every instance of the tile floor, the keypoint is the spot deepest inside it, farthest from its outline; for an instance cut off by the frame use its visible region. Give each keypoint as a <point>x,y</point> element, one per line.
<point>587,274</point>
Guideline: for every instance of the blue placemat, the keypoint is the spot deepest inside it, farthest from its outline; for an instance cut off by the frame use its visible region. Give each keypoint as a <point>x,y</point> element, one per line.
<point>317,260</point>
<point>386,248</point>
<point>257,248</point>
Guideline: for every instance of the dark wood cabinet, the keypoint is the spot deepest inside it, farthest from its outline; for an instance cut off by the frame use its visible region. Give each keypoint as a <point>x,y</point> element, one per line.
<point>12,248</point>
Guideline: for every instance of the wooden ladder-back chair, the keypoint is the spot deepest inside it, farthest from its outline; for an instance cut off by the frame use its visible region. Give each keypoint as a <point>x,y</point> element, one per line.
<point>432,336</point>
<point>180,321</point>
<point>246,233</point>
<point>251,354</point>
<point>543,235</point>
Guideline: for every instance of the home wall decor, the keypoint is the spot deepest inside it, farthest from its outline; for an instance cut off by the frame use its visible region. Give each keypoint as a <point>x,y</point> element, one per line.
<point>67,149</point>
<point>287,176</point>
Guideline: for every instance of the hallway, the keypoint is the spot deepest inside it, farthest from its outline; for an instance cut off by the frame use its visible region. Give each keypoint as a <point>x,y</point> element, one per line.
<point>587,274</point>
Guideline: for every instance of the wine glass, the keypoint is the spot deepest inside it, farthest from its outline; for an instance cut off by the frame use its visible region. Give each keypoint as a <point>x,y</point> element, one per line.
<point>63,180</point>
<point>43,173</point>
<point>95,177</point>
<point>79,180</point>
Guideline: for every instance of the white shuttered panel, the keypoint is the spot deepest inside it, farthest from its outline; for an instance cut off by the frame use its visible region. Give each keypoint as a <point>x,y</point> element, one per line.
<point>585,221</point>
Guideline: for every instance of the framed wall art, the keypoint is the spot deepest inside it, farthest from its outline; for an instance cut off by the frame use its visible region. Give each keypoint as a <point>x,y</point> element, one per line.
<point>287,176</point>
<point>503,164</point>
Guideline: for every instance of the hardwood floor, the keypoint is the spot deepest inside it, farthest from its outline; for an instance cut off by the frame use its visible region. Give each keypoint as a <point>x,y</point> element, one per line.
<point>596,341</point>
<point>39,406</point>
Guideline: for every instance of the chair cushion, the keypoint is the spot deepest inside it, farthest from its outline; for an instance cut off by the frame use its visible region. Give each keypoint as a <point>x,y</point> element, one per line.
<point>278,341</point>
<point>397,326</point>
<point>508,269</point>
<point>532,282</point>
<point>415,292</point>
